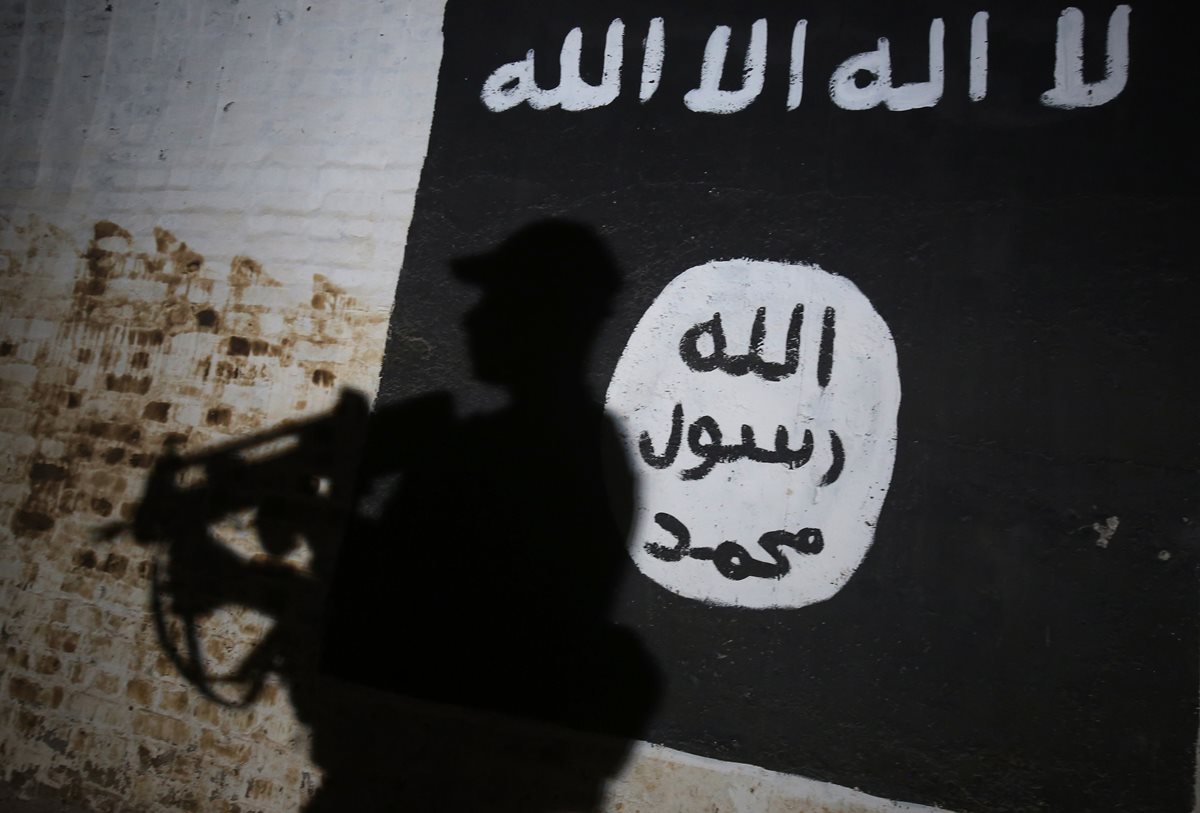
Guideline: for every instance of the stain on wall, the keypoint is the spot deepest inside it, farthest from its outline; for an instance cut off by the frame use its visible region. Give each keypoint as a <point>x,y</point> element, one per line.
<point>110,356</point>
<point>155,349</point>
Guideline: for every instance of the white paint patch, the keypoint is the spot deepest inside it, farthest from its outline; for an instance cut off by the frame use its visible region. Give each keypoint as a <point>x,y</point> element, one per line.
<point>1105,532</point>
<point>513,83</point>
<point>699,783</point>
<point>848,95</point>
<point>709,98</point>
<point>796,73</point>
<point>977,86</point>
<point>758,402</point>
<point>653,52</point>
<point>1070,90</point>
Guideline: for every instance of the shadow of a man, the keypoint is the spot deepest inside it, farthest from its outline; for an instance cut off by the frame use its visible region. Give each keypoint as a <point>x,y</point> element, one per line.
<point>456,651</point>
<point>481,569</point>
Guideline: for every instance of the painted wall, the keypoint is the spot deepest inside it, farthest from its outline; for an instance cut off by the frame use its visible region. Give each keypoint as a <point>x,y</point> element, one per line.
<point>204,210</point>
<point>895,295</point>
<point>952,562</point>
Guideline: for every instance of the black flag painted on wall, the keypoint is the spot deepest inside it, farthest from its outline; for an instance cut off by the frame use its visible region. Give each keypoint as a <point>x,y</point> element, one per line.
<point>896,329</point>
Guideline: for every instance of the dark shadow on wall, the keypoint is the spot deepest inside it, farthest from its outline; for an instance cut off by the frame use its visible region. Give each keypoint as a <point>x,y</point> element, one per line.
<point>464,657</point>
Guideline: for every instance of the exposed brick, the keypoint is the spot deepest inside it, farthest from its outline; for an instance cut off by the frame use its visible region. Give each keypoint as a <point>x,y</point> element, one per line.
<point>28,723</point>
<point>160,727</point>
<point>48,664</point>
<point>156,410</point>
<point>259,789</point>
<point>112,777</point>
<point>85,616</point>
<point>140,692</point>
<point>230,750</point>
<point>184,765</point>
<point>207,712</point>
<point>61,638</point>
<point>24,690</point>
<point>18,657</point>
<point>79,585</point>
<point>106,683</point>
<point>174,701</point>
<point>98,711</point>
<point>115,564</point>
<point>60,611</point>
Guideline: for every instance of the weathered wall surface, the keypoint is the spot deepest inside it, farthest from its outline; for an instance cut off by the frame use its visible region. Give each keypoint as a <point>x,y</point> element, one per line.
<point>204,210</point>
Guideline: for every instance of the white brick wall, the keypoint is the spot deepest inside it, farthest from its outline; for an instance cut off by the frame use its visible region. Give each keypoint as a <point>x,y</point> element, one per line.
<point>293,131</point>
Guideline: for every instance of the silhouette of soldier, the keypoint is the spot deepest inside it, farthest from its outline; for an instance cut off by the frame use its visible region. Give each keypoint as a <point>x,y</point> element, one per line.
<point>477,568</point>
<point>499,554</point>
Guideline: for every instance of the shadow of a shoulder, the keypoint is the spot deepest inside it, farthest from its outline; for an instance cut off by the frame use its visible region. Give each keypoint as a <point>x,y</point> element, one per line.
<point>382,752</point>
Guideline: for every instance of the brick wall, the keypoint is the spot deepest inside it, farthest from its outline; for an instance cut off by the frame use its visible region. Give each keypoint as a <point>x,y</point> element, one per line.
<point>203,208</point>
<point>202,216</point>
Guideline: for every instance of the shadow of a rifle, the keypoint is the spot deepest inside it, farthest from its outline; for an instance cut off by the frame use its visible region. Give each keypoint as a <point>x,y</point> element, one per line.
<point>295,483</point>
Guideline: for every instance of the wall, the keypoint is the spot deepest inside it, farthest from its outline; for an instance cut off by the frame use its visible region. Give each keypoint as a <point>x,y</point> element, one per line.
<point>894,295</point>
<point>204,210</point>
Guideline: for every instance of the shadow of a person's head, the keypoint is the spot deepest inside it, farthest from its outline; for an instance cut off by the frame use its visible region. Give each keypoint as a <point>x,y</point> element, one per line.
<point>546,291</point>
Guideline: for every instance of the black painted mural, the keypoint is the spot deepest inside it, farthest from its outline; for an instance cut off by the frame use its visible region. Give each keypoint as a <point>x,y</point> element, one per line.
<point>1012,194</point>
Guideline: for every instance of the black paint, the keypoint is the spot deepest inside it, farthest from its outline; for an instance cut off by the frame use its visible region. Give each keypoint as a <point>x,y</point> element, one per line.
<point>646,444</point>
<point>825,356</point>
<point>704,441</point>
<point>753,361</point>
<point>732,560</point>
<point>1037,270</point>
<point>839,459</point>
